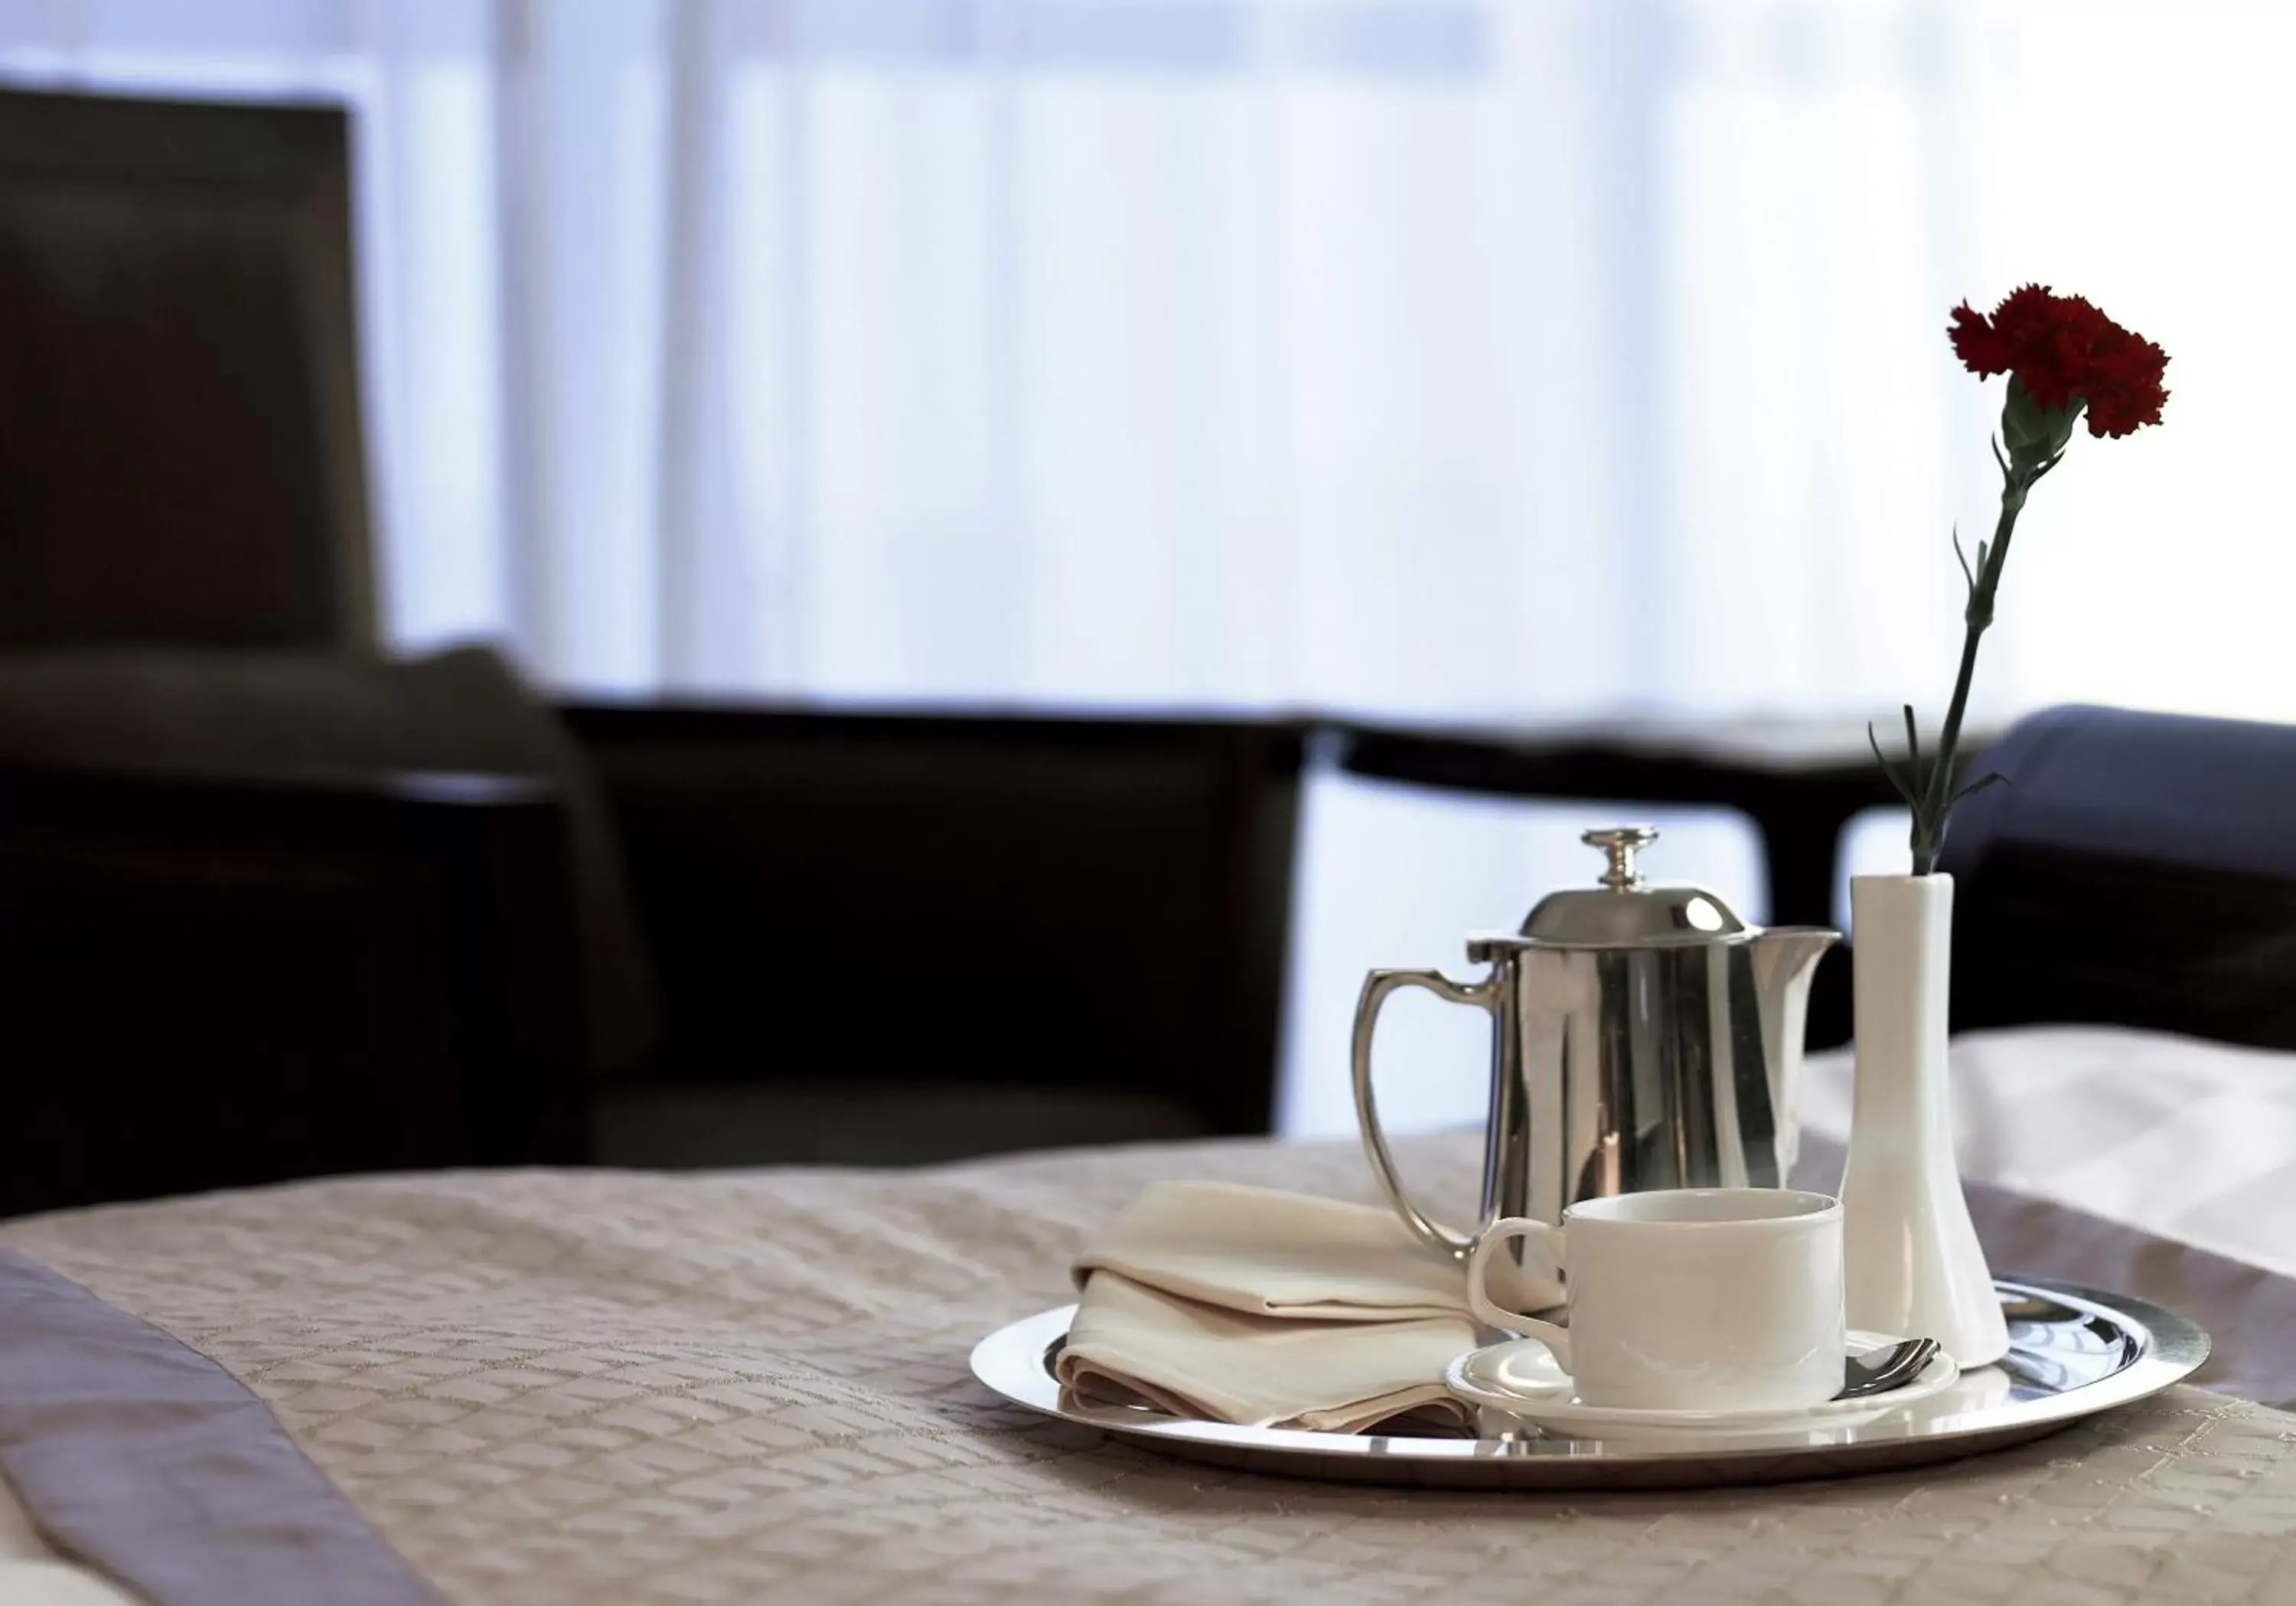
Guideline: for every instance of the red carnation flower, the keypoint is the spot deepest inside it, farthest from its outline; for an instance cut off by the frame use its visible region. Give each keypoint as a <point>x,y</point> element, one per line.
<point>2062,356</point>
<point>2064,351</point>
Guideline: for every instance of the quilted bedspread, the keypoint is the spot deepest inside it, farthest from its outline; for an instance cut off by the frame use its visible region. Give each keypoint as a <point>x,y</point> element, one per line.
<point>566,1388</point>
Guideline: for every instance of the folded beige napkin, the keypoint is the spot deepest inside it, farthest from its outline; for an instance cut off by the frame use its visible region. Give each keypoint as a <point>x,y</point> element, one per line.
<point>1269,1309</point>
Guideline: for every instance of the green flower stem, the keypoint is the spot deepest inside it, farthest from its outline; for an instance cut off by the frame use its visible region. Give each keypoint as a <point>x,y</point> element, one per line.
<point>2035,439</point>
<point>1936,792</point>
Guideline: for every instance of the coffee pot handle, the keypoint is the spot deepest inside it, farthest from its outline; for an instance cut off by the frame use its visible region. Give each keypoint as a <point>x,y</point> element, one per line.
<point>1376,988</point>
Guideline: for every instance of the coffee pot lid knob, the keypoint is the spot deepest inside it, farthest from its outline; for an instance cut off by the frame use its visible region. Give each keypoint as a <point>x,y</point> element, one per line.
<point>1621,842</point>
<point>1623,910</point>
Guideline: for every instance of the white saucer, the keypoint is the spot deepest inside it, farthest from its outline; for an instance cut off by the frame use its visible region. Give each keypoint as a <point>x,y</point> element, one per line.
<point>1521,1377</point>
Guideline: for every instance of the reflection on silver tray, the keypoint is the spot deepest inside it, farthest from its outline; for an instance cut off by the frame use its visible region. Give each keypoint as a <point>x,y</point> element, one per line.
<point>2072,1353</point>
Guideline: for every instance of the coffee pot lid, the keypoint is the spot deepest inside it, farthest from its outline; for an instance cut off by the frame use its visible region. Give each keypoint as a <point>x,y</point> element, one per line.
<point>1622,910</point>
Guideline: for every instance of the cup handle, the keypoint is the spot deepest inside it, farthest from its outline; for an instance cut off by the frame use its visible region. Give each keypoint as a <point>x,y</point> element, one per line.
<point>1483,995</point>
<point>1494,1239</point>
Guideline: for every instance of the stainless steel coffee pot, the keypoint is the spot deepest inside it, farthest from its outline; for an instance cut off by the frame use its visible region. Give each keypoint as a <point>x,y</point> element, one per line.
<point>1642,1037</point>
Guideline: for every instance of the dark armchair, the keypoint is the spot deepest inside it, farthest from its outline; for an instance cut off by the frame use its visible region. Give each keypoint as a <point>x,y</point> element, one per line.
<point>2139,871</point>
<point>179,428</point>
<point>904,937</point>
<point>877,938</point>
<point>214,980</point>
<point>246,935</point>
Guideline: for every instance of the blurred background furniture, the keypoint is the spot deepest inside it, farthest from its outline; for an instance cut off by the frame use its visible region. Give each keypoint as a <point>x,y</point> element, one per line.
<point>2140,871</point>
<point>1799,782</point>
<point>251,933</point>
<point>900,937</point>
<point>214,980</point>
<point>274,904</point>
<point>179,430</point>
<point>880,938</point>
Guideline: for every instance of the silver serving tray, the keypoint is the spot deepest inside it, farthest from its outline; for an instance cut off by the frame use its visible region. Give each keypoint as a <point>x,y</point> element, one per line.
<point>2072,1353</point>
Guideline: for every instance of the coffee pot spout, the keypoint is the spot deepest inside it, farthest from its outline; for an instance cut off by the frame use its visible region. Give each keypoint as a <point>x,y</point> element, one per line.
<point>1785,959</point>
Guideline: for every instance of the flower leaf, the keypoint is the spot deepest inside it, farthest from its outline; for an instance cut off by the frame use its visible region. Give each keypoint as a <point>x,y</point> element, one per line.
<point>1890,770</point>
<point>1989,778</point>
<point>1963,557</point>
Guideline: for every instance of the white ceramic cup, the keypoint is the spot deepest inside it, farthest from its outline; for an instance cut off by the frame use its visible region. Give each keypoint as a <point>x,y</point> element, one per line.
<point>1686,1299</point>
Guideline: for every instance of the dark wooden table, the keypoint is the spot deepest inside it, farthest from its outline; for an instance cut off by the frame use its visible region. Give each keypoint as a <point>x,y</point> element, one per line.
<point>1800,781</point>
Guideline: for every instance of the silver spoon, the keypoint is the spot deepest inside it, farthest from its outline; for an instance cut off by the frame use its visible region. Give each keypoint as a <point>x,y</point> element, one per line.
<point>1891,1366</point>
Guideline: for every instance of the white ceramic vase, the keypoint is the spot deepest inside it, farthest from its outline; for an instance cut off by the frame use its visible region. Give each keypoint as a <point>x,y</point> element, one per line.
<point>1911,1260</point>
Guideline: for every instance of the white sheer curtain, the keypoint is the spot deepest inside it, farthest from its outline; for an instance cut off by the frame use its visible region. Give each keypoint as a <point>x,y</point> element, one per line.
<point>1456,357</point>
<point>1430,355</point>
<point>1459,356</point>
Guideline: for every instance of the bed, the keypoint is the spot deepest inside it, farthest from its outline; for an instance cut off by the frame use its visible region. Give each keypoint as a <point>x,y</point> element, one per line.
<point>575,1386</point>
